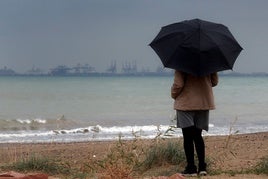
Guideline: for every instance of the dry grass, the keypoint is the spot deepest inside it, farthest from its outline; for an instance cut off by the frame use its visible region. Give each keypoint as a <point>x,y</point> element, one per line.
<point>136,158</point>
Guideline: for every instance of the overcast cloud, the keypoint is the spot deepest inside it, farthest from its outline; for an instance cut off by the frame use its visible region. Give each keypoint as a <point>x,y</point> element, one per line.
<point>47,33</point>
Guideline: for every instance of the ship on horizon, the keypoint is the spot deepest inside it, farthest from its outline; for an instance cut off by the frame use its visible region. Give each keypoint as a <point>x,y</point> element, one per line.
<point>7,72</point>
<point>63,70</point>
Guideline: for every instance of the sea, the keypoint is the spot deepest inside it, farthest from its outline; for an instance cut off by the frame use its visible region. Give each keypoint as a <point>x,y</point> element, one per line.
<point>37,109</point>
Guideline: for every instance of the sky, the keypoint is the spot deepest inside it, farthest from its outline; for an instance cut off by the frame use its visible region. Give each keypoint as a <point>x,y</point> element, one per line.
<point>48,33</point>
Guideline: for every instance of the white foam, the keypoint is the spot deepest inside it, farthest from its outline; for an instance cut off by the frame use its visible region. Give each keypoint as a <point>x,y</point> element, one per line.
<point>41,121</point>
<point>24,121</point>
<point>211,125</point>
<point>29,121</point>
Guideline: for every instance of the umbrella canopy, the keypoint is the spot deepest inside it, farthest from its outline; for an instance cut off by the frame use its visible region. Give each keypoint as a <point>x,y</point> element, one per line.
<point>196,46</point>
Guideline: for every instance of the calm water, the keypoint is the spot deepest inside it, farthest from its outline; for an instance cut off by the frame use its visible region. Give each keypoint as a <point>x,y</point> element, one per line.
<point>46,109</point>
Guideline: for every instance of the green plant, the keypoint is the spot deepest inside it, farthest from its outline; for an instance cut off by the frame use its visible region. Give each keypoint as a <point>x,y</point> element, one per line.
<point>262,166</point>
<point>159,153</point>
<point>35,163</point>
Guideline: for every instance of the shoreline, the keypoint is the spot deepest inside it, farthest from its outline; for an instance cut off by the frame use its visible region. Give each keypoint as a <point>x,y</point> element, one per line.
<point>100,133</point>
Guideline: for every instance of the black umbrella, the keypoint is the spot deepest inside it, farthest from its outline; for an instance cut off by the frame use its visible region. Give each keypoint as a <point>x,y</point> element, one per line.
<point>196,46</point>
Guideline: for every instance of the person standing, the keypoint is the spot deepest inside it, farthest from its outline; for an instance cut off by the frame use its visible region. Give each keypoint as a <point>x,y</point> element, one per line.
<point>193,98</point>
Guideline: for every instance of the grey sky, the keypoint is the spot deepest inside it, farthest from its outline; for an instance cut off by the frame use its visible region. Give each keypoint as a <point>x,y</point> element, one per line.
<point>47,33</point>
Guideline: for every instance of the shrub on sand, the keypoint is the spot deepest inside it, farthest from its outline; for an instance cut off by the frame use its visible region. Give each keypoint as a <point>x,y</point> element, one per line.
<point>159,154</point>
<point>262,166</point>
<point>35,163</point>
<point>120,161</point>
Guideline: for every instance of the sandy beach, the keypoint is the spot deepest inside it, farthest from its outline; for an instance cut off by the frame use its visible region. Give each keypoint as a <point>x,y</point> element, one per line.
<point>226,153</point>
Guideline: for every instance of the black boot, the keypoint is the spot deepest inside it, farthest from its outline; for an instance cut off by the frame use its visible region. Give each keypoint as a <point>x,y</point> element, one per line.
<point>202,170</point>
<point>190,171</point>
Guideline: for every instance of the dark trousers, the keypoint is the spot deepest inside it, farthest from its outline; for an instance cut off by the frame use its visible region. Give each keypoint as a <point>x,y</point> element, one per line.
<point>192,137</point>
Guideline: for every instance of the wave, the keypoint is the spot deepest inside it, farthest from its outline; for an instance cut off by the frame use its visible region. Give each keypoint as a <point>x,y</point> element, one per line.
<point>28,124</point>
<point>104,133</point>
<point>91,133</point>
<point>29,121</point>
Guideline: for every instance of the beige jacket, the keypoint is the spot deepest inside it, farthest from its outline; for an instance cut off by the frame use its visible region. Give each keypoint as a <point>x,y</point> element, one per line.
<point>193,93</point>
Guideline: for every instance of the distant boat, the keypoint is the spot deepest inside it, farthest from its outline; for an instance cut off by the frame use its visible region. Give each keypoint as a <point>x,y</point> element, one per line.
<point>35,71</point>
<point>78,70</point>
<point>7,72</point>
<point>60,70</point>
